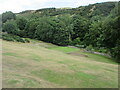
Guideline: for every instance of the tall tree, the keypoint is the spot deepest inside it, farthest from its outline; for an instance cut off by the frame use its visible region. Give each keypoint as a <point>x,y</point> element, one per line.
<point>80,27</point>
<point>21,22</point>
<point>8,16</point>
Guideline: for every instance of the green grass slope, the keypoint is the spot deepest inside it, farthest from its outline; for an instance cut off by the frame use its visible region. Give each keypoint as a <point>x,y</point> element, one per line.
<point>43,65</point>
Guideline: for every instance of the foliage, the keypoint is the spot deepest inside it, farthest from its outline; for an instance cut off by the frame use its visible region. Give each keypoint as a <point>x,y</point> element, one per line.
<point>7,37</point>
<point>21,22</point>
<point>80,25</point>
<point>116,51</point>
<point>10,27</point>
<point>30,28</point>
<point>10,37</point>
<point>94,35</point>
<point>8,16</point>
<point>56,30</point>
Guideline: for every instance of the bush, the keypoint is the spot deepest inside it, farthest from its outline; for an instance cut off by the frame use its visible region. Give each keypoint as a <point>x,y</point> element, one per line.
<point>115,52</point>
<point>21,23</point>
<point>10,37</point>
<point>80,46</point>
<point>8,16</point>
<point>90,48</point>
<point>102,50</point>
<point>7,37</point>
<point>19,39</point>
<point>10,27</point>
<point>76,41</point>
<point>26,40</point>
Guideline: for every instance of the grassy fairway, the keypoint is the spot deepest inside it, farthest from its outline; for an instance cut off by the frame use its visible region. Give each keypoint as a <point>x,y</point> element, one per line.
<point>42,65</point>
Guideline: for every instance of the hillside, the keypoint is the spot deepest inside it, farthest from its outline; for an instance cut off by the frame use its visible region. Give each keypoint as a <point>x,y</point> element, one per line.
<point>50,47</point>
<point>93,27</point>
<point>91,10</point>
<point>44,65</point>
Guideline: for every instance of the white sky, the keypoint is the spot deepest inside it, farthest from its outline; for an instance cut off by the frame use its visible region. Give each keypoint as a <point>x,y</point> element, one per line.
<point>21,5</point>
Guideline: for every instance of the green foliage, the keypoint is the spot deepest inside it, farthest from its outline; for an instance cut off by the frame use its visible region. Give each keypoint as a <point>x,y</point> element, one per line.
<point>90,48</point>
<point>102,50</point>
<point>8,16</point>
<point>115,52</point>
<point>104,8</point>
<point>26,40</point>
<point>76,41</point>
<point>10,27</point>
<point>80,27</point>
<point>21,22</point>
<point>56,30</point>
<point>7,37</point>
<point>44,30</point>
<point>94,35</point>
<point>111,33</point>
<point>30,29</point>
<point>10,37</point>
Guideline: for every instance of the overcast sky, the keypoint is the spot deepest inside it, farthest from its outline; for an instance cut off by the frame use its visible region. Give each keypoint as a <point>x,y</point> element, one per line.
<point>21,5</point>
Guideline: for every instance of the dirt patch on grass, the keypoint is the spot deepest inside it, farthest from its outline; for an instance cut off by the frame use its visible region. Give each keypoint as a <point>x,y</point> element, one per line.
<point>77,54</point>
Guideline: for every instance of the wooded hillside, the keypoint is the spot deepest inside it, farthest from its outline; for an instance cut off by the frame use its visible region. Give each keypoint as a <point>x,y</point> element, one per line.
<point>95,27</point>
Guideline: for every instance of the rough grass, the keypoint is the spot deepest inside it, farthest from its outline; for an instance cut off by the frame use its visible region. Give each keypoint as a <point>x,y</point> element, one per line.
<point>42,65</point>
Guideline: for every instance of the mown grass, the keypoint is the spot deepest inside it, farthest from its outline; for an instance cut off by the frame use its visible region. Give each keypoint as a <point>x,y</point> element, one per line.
<point>10,54</point>
<point>23,82</point>
<point>33,65</point>
<point>12,82</point>
<point>91,56</point>
<point>70,80</point>
<point>77,79</point>
<point>99,58</point>
<point>65,49</point>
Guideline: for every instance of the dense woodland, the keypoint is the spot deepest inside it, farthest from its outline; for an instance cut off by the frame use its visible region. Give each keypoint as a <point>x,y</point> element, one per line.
<point>94,27</point>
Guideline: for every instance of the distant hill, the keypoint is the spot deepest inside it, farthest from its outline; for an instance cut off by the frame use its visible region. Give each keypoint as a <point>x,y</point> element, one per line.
<point>88,11</point>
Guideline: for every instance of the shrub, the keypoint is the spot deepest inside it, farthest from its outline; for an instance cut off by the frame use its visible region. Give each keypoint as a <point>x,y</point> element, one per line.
<point>10,27</point>
<point>19,39</point>
<point>7,37</point>
<point>8,16</point>
<point>90,48</point>
<point>115,52</point>
<point>102,50</point>
<point>26,40</point>
<point>76,41</point>
<point>10,37</point>
<point>80,46</point>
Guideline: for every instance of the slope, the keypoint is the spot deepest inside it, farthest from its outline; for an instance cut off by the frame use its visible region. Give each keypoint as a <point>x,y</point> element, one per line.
<point>36,65</point>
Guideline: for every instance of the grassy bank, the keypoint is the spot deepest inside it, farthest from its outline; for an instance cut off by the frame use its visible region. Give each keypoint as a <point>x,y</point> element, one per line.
<point>43,65</point>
